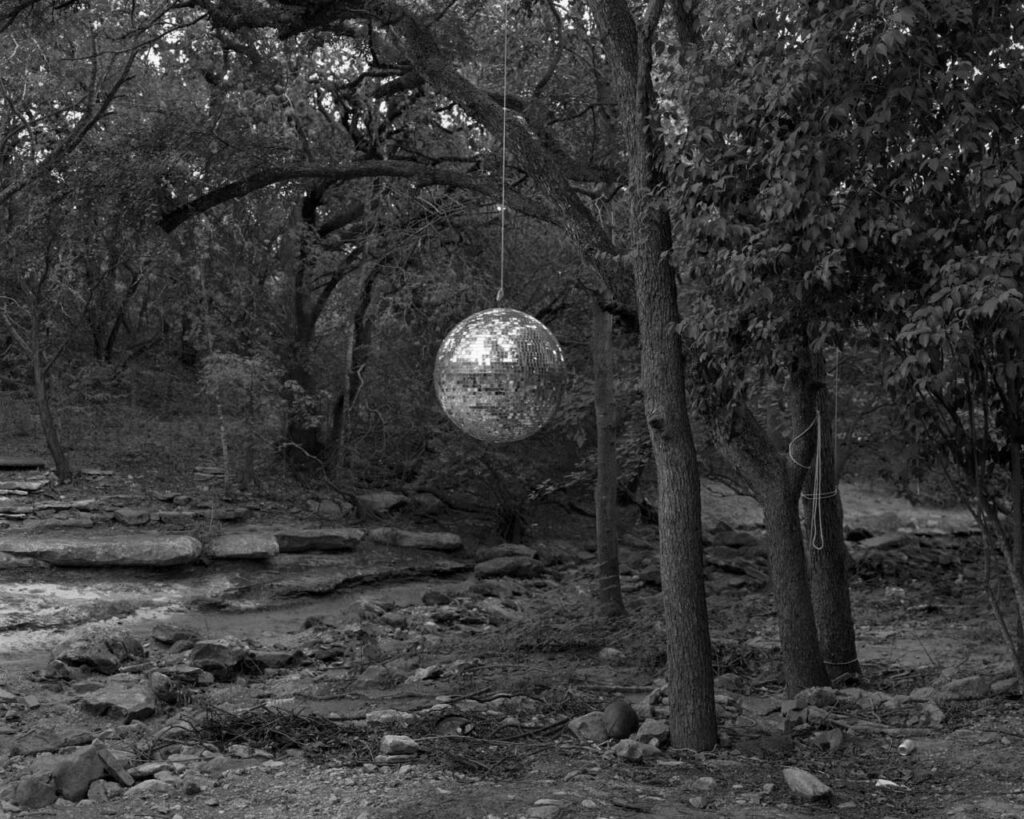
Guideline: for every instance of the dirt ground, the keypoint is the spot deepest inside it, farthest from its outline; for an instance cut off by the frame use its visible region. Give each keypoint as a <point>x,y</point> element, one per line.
<point>489,679</point>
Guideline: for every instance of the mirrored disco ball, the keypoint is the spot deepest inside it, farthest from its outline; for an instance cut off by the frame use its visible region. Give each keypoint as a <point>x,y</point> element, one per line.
<point>499,375</point>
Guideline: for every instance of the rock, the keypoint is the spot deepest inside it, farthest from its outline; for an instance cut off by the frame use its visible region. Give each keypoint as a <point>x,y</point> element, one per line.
<point>227,514</point>
<point>131,516</point>
<point>339,539</point>
<point>425,503</point>
<point>38,741</point>
<point>176,517</point>
<point>34,791</point>
<point>633,751</point>
<point>104,548</point>
<point>395,744</point>
<point>619,719</point>
<point>804,784</point>
<point>933,714</point>
<point>378,504</point>
<point>74,773</point>
<point>331,509</point>
<point>655,730</point>
<point>124,698</point>
<point>168,633</point>
<point>508,567</point>
<point>435,598</point>
<point>965,688</point>
<point>1003,687</point>
<point>388,716</point>
<point>114,767</point>
<point>819,697</point>
<point>9,561</point>
<point>101,651</point>
<point>221,658</point>
<point>431,541</point>
<point>254,545</point>
<point>923,693</point>
<point>149,786</point>
<point>268,658</point>
<point>504,550</point>
<point>588,727</point>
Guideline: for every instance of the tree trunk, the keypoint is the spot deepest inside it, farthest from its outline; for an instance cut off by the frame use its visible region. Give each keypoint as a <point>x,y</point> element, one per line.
<point>776,479</point>
<point>609,589</point>
<point>53,443</point>
<point>827,557</point>
<point>357,353</point>
<point>663,381</point>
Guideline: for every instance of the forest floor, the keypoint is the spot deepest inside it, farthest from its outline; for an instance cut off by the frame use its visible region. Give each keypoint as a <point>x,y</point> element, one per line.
<point>485,674</point>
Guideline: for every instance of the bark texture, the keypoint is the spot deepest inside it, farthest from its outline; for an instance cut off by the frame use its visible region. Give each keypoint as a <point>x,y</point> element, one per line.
<point>827,557</point>
<point>662,366</point>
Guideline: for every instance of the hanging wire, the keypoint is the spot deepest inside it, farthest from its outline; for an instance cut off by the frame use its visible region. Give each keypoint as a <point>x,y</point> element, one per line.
<point>504,128</point>
<point>816,523</point>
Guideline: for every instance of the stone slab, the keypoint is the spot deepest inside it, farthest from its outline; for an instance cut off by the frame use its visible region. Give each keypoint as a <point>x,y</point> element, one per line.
<point>104,548</point>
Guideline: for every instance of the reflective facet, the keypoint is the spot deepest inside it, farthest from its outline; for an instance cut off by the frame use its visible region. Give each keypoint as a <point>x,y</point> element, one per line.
<point>499,375</point>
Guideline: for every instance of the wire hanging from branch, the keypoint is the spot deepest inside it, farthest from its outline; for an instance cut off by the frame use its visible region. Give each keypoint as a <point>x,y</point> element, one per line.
<point>504,161</point>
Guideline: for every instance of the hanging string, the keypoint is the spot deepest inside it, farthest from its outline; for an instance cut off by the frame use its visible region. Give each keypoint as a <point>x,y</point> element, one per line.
<point>504,128</point>
<point>815,522</point>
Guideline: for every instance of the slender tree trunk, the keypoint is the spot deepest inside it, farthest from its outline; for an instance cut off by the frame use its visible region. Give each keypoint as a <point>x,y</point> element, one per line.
<point>827,556</point>
<point>357,353</point>
<point>776,479</point>
<point>663,381</point>
<point>609,589</point>
<point>53,443</point>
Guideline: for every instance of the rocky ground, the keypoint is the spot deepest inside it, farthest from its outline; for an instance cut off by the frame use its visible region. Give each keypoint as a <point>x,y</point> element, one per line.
<point>419,670</point>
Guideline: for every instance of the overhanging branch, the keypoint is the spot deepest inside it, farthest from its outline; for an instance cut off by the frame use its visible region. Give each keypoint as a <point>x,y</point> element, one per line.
<point>418,174</point>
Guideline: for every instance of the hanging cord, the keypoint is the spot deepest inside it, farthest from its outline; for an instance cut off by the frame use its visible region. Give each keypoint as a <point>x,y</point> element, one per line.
<point>504,125</point>
<point>816,523</point>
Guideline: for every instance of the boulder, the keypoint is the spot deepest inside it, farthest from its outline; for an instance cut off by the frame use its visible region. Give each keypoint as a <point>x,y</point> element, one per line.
<point>132,516</point>
<point>339,539</point>
<point>588,727</point>
<point>251,545</point>
<point>35,791</point>
<point>103,652</point>
<point>653,730</point>
<point>804,784</point>
<point>73,773</point>
<point>125,699</point>
<point>431,541</point>
<point>633,751</point>
<point>222,658</point>
<point>168,633</point>
<point>104,548</point>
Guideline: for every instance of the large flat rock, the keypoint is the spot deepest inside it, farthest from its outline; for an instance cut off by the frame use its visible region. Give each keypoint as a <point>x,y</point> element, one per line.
<point>103,548</point>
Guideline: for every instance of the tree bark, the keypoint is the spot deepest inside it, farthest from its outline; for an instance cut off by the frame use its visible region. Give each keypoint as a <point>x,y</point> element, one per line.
<point>609,589</point>
<point>56,449</point>
<point>663,381</point>
<point>776,479</point>
<point>827,557</point>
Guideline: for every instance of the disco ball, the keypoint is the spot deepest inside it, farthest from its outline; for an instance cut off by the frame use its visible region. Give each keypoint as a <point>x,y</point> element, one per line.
<point>499,375</point>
